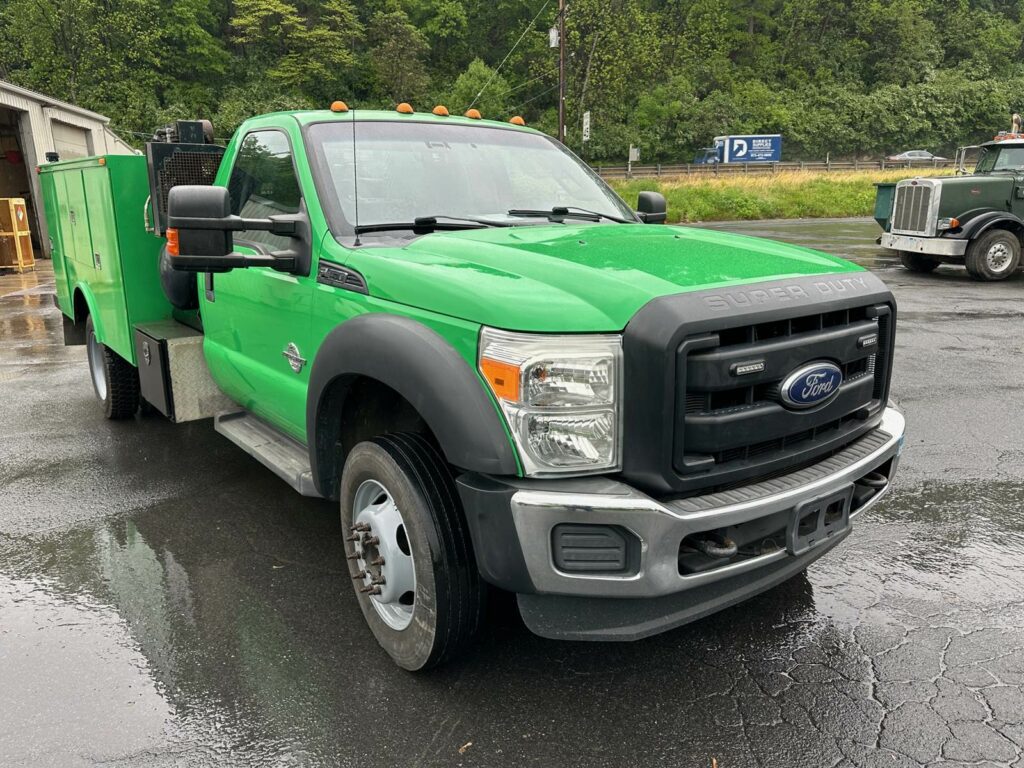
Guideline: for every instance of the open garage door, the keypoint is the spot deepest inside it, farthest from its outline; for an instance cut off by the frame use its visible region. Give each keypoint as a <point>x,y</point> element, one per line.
<point>14,170</point>
<point>70,140</point>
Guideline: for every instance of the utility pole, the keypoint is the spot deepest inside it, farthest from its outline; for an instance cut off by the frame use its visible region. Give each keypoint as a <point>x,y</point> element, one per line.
<point>561,71</point>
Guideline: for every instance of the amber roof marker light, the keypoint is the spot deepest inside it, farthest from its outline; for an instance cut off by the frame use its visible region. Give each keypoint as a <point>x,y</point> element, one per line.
<point>339,106</point>
<point>474,114</point>
<point>517,120</point>
<point>405,108</point>
<point>441,110</point>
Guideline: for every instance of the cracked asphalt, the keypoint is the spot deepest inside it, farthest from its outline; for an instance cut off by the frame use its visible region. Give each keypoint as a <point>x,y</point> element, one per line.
<point>165,601</point>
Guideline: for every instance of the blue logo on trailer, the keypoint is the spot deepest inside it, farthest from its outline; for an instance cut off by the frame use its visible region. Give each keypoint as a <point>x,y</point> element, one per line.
<point>753,149</point>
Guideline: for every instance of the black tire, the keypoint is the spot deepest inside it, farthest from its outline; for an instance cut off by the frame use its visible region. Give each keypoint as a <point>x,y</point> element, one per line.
<point>114,380</point>
<point>995,255</point>
<point>449,601</point>
<point>917,262</point>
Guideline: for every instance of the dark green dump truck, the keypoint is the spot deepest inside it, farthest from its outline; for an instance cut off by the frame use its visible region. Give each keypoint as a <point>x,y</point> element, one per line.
<point>504,375</point>
<point>976,220</point>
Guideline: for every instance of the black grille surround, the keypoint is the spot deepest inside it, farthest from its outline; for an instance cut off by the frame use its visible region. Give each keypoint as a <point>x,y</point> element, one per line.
<point>692,425</point>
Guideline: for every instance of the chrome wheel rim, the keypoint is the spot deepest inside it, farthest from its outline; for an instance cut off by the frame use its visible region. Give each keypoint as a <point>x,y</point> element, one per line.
<point>95,353</point>
<point>385,570</point>
<point>998,257</point>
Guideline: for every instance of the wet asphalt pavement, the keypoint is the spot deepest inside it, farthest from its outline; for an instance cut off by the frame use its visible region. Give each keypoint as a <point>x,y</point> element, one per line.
<point>164,600</point>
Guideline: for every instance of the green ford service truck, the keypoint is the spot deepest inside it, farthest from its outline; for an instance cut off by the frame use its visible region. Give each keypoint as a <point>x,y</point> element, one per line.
<point>976,220</point>
<point>504,376</point>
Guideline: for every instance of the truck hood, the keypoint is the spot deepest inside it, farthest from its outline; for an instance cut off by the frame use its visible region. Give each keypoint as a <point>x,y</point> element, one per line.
<point>573,277</point>
<point>967,194</point>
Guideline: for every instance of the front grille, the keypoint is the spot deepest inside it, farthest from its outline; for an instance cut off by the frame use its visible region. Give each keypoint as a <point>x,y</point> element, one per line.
<point>731,425</point>
<point>912,209</point>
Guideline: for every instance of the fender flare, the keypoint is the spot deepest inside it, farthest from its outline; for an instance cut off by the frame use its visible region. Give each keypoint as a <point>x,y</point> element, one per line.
<point>986,221</point>
<point>422,367</point>
<point>90,303</point>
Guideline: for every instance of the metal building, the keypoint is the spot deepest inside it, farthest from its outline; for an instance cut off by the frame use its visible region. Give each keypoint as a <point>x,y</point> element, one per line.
<point>33,125</point>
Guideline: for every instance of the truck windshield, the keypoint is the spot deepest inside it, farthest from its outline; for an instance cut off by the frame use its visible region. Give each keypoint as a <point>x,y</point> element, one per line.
<point>412,170</point>
<point>1000,159</point>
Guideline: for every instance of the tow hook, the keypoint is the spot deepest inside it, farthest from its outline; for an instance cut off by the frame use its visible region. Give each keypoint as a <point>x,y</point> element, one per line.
<point>715,545</point>
<point>874,480</point>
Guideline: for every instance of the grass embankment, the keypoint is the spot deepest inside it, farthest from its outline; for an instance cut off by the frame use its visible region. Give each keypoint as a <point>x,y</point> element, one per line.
<point>783,195</point>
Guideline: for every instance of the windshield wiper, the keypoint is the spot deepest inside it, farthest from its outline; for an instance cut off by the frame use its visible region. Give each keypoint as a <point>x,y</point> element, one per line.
<point>470,219</point>
<point>560,212</point>
<point>431,224</point>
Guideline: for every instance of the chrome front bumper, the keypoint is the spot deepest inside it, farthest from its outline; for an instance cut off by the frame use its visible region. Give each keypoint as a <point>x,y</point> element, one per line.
<point>933,246</point>
<point>660,527</point>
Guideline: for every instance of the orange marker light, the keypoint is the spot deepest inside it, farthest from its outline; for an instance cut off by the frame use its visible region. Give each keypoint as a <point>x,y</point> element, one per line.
<point>473,114</point>
<point>441,111</point>
<point>339,106</point>
<point>954,223</point>
<point>503,378</point>
<point>405,108</point>
<point>172,242</point>
<point>102,161</point>
<point>517,120</point>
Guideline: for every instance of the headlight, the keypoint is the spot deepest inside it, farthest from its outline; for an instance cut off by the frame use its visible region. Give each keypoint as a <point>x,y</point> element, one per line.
<point>561,396</point>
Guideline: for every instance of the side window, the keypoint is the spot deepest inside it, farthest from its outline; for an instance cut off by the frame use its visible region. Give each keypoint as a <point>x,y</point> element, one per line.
<point>263,184</point>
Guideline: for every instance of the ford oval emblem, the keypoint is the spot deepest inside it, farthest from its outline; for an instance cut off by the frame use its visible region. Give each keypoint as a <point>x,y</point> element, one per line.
<point>813,384</point>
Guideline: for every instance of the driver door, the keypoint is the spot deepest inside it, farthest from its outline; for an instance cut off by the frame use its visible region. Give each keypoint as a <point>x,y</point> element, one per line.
<point>257,320</point>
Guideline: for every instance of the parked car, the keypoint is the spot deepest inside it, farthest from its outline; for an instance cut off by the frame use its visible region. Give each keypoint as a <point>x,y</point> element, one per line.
<point>915,156</point>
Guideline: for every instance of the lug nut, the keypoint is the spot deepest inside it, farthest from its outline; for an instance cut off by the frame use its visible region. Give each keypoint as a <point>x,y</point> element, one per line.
<point>371,541</point>
<point>352,538</point>
<point>359,576</point>
<point>378,580</point>
<point>353,556</point>
<point>361,527</point>
<point>378,561</point>
<point>370,590</point>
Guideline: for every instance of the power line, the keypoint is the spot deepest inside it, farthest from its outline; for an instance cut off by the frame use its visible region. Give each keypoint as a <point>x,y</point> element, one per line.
<point>528,82</point>
<point>542,93</point>
<point>495,72</point>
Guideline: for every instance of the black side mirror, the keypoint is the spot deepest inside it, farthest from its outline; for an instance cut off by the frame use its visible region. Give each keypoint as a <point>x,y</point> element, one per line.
<point>200,226</point>
<point>652,207</point>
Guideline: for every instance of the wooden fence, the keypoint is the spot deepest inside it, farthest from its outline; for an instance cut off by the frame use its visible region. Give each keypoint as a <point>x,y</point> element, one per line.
<point>726,169</point>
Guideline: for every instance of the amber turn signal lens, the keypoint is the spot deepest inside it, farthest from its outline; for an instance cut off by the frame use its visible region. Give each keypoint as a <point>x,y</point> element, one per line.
<point>503,378</point>
<point>405,108</point>
<point>517,120</point>
<point>473,114</point>
<point>441,111</point>
<point>172,242</point>
<point>954,223</point>
<point>339,106</point>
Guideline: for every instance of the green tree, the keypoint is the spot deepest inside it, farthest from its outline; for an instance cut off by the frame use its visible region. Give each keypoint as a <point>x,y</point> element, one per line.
<point>397,57</point>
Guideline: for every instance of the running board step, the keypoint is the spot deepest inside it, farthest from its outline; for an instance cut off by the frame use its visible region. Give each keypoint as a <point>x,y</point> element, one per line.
<point>285,457</point>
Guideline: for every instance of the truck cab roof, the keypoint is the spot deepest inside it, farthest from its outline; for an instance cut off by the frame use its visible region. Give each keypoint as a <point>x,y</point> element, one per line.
<point>310,116</point>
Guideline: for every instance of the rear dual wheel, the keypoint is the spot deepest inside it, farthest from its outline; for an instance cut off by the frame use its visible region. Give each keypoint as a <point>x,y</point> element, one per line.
<point>114,379</point>
<point>409,552</point>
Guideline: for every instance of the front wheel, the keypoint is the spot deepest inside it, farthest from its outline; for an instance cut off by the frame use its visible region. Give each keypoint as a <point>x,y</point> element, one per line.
<point>993,256</point>
<point>409,552</point>
<point>915,262</point>
<point>114,379</point>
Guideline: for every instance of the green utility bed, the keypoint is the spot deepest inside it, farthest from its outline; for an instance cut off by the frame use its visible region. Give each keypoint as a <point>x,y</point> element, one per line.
<point>105,261</point>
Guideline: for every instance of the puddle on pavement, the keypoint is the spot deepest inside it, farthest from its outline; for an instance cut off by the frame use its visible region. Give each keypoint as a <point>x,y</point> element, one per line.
<point>242,636</point>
